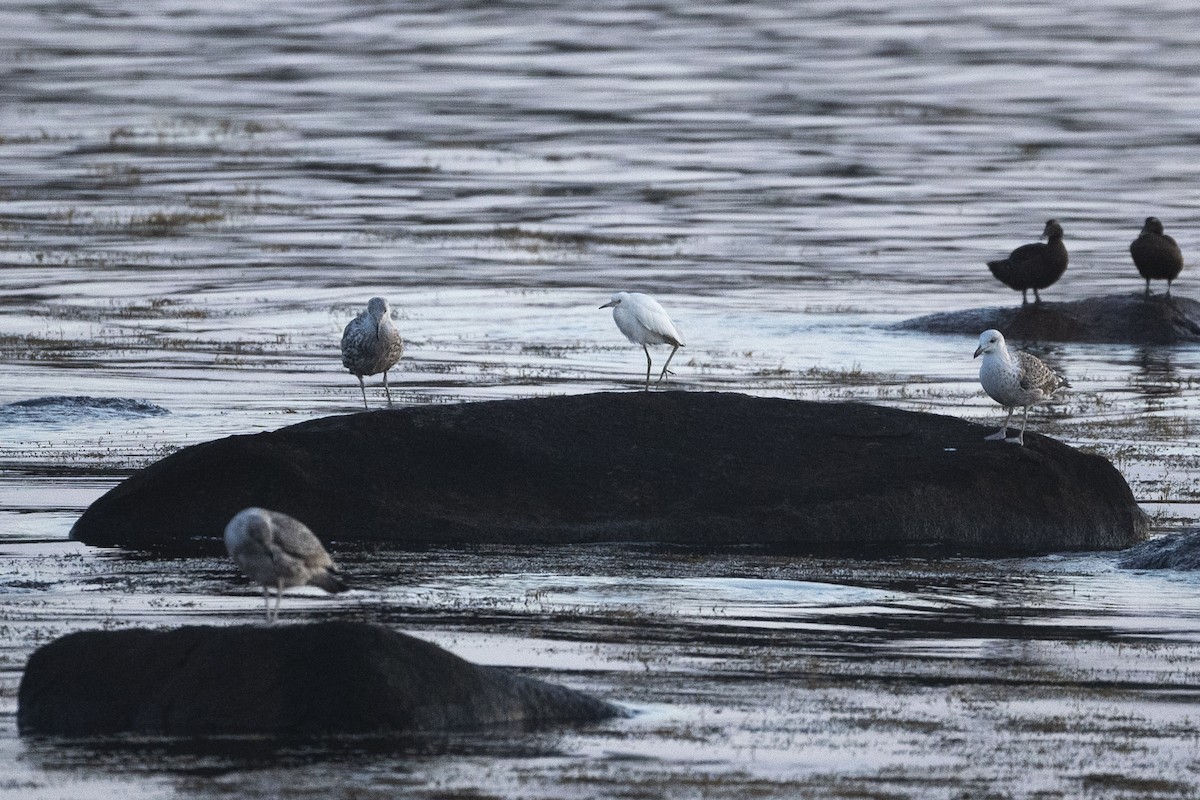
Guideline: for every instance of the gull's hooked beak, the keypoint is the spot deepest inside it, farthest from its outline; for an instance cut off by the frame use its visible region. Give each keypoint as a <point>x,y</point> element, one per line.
<point>978,352</point>
<point>610,304</point>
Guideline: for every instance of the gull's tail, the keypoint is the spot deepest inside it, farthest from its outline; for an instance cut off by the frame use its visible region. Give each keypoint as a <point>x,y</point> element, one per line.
<point>329,581</point>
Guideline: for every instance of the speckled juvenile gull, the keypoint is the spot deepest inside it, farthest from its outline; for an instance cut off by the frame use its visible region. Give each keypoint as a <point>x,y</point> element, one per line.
<point>645,322</point>
<point>1013,378</point>
<point>371,344</point>
<point>276,550</point>
<point>1156,255</point>
<point>1033,266</point>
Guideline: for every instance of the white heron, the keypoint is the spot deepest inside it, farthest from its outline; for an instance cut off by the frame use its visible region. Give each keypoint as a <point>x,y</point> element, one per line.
<point>1013,378</point>
<point>371,344</point>
<point>273,549</point>
<point>644,322</point>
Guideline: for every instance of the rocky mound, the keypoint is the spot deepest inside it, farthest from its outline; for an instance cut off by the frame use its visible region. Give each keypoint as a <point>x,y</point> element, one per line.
<point>695,469</point>
<point>1115,319</point>
<point>332,677</point>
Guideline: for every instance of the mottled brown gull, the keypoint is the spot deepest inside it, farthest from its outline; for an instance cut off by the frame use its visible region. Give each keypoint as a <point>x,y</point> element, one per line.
<point>1156,255</point>
<point>1033,266</point>
<point>371,345</point>
<point>1013,378</point>
<point>644,322</point>
<point>273,549</point>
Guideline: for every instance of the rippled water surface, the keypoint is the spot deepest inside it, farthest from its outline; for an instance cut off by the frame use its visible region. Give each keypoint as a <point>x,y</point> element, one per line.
<point>196,197</point>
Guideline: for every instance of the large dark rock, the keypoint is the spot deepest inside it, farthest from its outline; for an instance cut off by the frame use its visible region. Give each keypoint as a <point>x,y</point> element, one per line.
<point>1116,319</point>
<point>332,677</point>
<point>698,469</point>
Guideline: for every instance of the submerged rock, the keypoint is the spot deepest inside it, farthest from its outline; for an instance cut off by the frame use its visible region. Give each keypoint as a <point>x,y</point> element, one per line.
<point>331,677</point>
<point>1116,319</point>
<point>61,409</point>
<point>1177,551</point>
<point>694,469</point>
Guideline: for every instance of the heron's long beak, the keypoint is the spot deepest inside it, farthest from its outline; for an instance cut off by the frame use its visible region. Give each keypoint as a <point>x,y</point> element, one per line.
<point>978,352</point>
<point>609,304</point>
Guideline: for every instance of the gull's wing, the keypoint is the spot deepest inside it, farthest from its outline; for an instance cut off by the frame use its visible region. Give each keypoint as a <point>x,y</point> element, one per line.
<point>1036,375</point>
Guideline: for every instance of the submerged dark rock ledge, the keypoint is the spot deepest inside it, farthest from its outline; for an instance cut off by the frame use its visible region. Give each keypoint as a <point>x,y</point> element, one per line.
<point>689,468</point>
<point>1175,551</point>
<point>331,677</point>
<point>1110,319</point>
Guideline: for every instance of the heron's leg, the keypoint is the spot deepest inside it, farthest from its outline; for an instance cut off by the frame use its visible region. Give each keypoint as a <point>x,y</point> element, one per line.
<point>664,372</point>
<point>1003,432</point>
<point>1019,439</point>
<point>647,349</point>
<point>363,386</point>
<point>386,390</point>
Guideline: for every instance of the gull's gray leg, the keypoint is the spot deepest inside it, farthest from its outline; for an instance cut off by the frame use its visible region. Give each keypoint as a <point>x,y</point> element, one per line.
<point>386,390</point>
<point>647,349</point>
<point>664,372</point>
<point>278,597</point>
<point>1024,297</point>
<point>1019,439</point>
<point>267,602</point>
<point>1147,287</point>
<point>1003,432</point>
<point>363,386</point>
<point>1168,287</point>
<point>1037,298</point>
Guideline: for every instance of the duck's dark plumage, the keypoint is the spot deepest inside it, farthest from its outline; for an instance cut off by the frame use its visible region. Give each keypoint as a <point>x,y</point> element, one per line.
<point>1156,255</point>
<point>1034,266</point>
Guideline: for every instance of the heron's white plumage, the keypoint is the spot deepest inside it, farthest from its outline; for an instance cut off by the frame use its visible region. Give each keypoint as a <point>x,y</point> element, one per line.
<point>644,321</point>
<point>1013,379</point>
<point>371,344</point>
<point>275,550</point>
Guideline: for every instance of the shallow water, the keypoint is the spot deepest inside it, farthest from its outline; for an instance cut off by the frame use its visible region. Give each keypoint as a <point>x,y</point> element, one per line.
<point>196,197</point>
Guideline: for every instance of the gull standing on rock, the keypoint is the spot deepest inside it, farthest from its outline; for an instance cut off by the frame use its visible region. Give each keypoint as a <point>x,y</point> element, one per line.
<point>644,322</point>
<point>371,344</point>
<point>1156,255</point>
<point>1033,266</point>
<point>1013,378</point>
<point>274,549</point>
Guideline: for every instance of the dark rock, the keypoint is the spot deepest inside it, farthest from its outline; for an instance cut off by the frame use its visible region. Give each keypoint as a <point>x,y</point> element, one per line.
<point>1116,319</point>
<point>331,677</point>
<point>688,468</point>
<point>1177,551</point>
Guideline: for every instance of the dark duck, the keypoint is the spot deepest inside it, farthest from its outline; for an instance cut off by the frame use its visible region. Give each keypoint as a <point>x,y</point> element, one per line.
<point>1034,266</point>
<point>1156,255</point>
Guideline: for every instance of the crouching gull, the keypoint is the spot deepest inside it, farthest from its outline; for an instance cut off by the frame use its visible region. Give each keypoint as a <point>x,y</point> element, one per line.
<point>273,549</point>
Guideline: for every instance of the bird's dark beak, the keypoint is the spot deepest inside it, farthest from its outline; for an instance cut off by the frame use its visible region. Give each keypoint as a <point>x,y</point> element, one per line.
<point>609,304</point>
<point>978,352</point>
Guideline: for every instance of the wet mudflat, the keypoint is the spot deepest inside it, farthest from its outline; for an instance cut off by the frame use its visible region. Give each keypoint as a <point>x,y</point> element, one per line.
<point>195,198</point>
